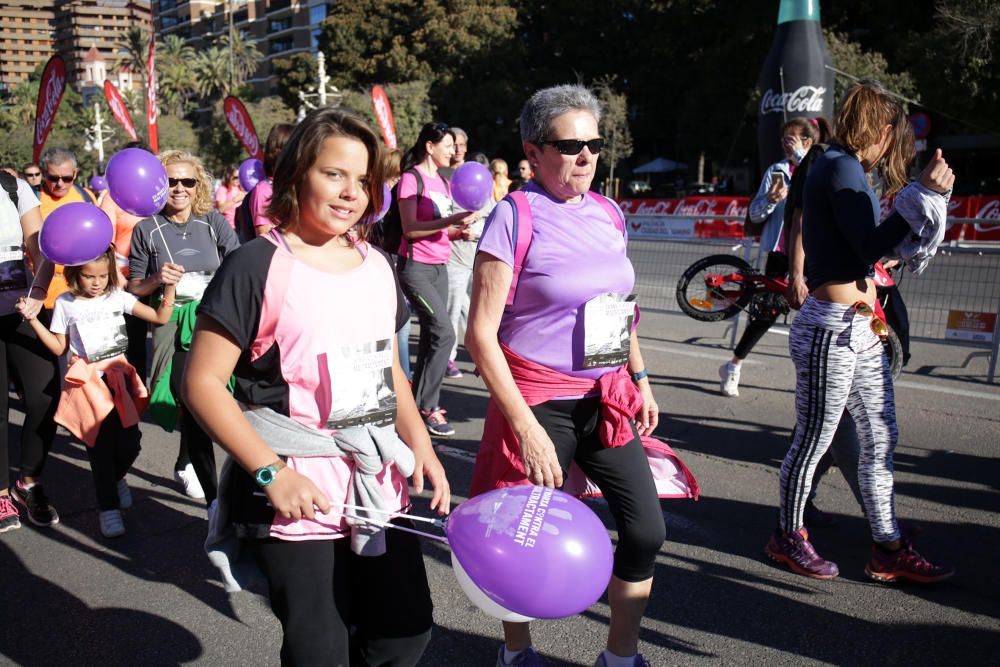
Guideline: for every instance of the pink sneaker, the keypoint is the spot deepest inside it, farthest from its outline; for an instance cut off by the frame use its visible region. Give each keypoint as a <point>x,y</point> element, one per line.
<point>10,518</point>
<point>795,551</point>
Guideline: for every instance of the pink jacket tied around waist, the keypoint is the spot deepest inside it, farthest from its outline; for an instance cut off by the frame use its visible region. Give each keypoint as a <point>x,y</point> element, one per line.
<point>86,400</point>
<point>499,463</point>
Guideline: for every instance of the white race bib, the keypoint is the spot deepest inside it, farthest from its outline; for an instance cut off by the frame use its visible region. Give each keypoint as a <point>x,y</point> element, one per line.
<point>13,274</point>
<point>192,286</point>
<point>103,338</point>
<point>361,388</point>
<point>607,329</point>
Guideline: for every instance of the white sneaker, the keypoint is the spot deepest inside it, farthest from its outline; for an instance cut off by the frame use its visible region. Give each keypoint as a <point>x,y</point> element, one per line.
<point>112,524</point>
<point>729,373</point>
<point>189,481</point>
<point>124,495</point>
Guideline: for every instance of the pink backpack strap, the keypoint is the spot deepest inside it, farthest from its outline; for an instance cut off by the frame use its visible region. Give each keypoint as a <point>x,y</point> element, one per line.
<point>522,237</point>
<point>610,209</point>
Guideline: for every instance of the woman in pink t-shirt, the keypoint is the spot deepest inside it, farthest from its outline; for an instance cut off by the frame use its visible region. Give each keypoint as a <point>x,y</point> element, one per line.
<point>229,195</point>
<point>429,223</point>
<point>305,318</point>
<point>566,337</point>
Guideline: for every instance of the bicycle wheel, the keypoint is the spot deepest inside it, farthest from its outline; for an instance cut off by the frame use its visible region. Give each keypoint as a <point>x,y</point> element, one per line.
<point>894,350</point>
<point>711,304</point>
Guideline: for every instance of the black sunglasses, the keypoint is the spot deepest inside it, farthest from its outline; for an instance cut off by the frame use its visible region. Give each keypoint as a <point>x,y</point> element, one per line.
<point>574,146</point>
<point>64,179</point>
<point>32,174</point>
<point>186,182</point>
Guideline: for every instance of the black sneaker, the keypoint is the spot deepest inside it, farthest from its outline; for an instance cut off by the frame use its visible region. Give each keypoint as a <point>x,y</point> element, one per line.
<point>9,519</point>
<point>36,502</point>
<point>436,424</point>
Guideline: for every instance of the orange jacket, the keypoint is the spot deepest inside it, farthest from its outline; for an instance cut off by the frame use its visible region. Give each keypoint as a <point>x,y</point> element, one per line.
<point>87,398</point>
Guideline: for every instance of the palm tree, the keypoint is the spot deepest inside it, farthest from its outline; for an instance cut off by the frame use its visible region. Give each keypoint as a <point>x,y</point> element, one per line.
<point>243,56</point>
<point>176,78</point>
<point>133,51</point>
<point>212,72</point>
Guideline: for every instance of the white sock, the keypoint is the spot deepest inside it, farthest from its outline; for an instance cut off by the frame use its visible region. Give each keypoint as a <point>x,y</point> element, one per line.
<point>509,656</point>
<point>612,660</point>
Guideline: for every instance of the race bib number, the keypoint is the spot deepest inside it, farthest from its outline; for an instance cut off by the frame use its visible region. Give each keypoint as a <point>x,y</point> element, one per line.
<point>607,327</point>
<point>361,388</point>
<point>192,286</point>
<point>103,338</point>
<point>13,274</point>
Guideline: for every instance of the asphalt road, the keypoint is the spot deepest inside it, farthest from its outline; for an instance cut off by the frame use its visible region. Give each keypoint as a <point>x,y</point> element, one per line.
<point>150,598</point>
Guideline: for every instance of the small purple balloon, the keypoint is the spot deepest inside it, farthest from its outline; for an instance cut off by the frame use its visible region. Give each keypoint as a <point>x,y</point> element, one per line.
<point>386,203</point>
<point>251,173</point>
<point>75,234</point>
<point>137,182</point>
<point>98,184</point>
<point>471,186</point>
<point>535,551</point>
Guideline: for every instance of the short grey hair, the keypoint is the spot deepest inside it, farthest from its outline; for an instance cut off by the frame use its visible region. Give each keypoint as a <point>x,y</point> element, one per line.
<point>547,104</point>
<point>459,131</point>
<point>56,156</point>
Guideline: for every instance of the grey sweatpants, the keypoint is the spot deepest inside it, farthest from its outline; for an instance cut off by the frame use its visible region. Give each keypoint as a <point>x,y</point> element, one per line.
<point>426,286</point>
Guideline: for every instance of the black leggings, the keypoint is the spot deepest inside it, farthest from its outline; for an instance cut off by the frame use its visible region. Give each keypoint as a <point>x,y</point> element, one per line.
<point>115,450</point>
<point>776,266</point>
<point>196,446</point>
<point>623,475</point>
<point>320,589</point>
<point>36,373</point>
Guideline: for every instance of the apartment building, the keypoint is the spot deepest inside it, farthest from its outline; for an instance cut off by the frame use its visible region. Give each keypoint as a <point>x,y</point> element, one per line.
<point>278,27</point>
<point>31,31</point>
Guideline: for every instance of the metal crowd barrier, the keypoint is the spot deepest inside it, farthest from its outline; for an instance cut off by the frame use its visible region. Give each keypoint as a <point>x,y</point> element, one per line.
<point>962,277</point>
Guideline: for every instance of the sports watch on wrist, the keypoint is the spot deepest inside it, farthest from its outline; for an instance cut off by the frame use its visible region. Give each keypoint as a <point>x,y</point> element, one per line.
<point>265,476</point>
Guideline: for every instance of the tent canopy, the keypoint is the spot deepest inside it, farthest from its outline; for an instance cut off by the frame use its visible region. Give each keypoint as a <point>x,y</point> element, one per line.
<point>660,165</point>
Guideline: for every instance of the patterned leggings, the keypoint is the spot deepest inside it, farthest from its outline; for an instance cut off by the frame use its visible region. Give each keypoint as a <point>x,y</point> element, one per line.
<point>839,363</point>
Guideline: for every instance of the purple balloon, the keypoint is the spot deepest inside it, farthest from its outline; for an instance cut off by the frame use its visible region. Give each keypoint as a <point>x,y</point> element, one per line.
<point>75,234</point>
<point>535,551</point>
<point>98,184</point>
<point>471,186</point>
<point>386,203</point>
<point>137,182</point>
<point>251,173</point>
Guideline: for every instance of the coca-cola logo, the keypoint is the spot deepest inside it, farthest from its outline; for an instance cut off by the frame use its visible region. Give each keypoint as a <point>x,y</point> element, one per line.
<point>244,129</point>
<point>52,94</point>
<point>647,206</point>
<point>807,99</point>
<point>990,211</point>
<point>385,120</point>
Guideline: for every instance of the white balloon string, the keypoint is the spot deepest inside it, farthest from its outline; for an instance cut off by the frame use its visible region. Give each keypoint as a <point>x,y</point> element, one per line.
<point>392,514</point>
<point>386,524</point>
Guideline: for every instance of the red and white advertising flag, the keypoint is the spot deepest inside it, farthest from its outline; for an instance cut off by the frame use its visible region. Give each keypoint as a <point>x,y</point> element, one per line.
<point>50,93</point>
<point>118,109</point>
<point>239,120</point>
<point>151,97</point>
<point>383,113</point>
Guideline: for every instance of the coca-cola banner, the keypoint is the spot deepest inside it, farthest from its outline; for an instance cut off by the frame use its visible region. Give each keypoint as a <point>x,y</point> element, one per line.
<point>730,228</point>
<point>50,93</point>
<point>239,120</point>
<point>958,207</point>
<point>151,98</point>
<point>795,80</point>
<point>118,109</point>
<point>987,207</point>
<point>658,218</point>
<point>383,113</point>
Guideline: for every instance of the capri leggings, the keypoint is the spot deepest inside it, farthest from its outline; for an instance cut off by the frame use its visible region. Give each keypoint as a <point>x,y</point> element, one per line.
<point>623,475</point>
<point>36,374</point>
<point>840,363</point>
<point>338,608</point>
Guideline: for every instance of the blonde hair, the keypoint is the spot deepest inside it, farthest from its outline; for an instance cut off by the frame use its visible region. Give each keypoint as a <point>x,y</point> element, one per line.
<point>202,202</point>
<point>867,108</point>
<point>72,273</point>
<point>498,167</point>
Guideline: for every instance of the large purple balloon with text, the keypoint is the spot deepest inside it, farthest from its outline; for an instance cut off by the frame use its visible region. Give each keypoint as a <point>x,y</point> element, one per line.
<point>535,551</point>
<point>137,182</point>
<point>251,173</point>
<point>75,234</point>
<point>471,186</point>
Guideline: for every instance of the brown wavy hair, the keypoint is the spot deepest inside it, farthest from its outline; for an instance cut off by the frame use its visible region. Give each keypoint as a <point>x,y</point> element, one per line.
<point>277,137</point>
<point>865,109</point>
<point>202,202</point>
<point>72,274</point>
<point>301,151</point>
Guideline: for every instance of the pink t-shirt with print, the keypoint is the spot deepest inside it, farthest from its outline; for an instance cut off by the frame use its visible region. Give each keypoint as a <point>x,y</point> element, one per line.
<point>433,203</point>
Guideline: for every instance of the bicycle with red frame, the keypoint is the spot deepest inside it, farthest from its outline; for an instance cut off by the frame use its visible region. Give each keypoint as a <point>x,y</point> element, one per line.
<point>718,287</point>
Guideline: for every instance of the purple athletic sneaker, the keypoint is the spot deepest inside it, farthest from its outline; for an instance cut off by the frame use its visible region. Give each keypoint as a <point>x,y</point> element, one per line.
<point>795,551</point>
<point>526,658</point>
<point>452,371</point>
<point>888,567</point>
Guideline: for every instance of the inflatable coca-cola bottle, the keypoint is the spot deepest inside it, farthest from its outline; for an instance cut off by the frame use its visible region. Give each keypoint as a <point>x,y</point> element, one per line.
<point>795,80</point>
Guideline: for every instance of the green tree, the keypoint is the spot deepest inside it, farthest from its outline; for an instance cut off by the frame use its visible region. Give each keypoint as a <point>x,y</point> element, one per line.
<point>614,124</point>
<point>294,74</point>
<point>132,50</point>
<point>244,57</point>
<point>411,108</point>
<point>223,68</point>
<point>851,58</point>
<point>176,80</point>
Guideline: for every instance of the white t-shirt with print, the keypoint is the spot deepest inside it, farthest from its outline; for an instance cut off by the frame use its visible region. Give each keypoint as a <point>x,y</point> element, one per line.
<point>14,274</point>
<point>96,326</point>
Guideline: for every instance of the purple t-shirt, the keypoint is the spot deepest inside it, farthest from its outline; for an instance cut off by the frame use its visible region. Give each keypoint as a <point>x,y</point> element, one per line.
<point>433,203</point>
<point>576,254</point>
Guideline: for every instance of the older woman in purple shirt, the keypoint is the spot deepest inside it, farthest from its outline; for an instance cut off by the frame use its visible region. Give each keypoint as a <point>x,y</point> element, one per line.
<point>564,310</point>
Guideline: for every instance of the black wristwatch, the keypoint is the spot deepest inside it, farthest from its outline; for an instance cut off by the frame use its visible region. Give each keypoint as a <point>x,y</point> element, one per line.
<point>265,476</point>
